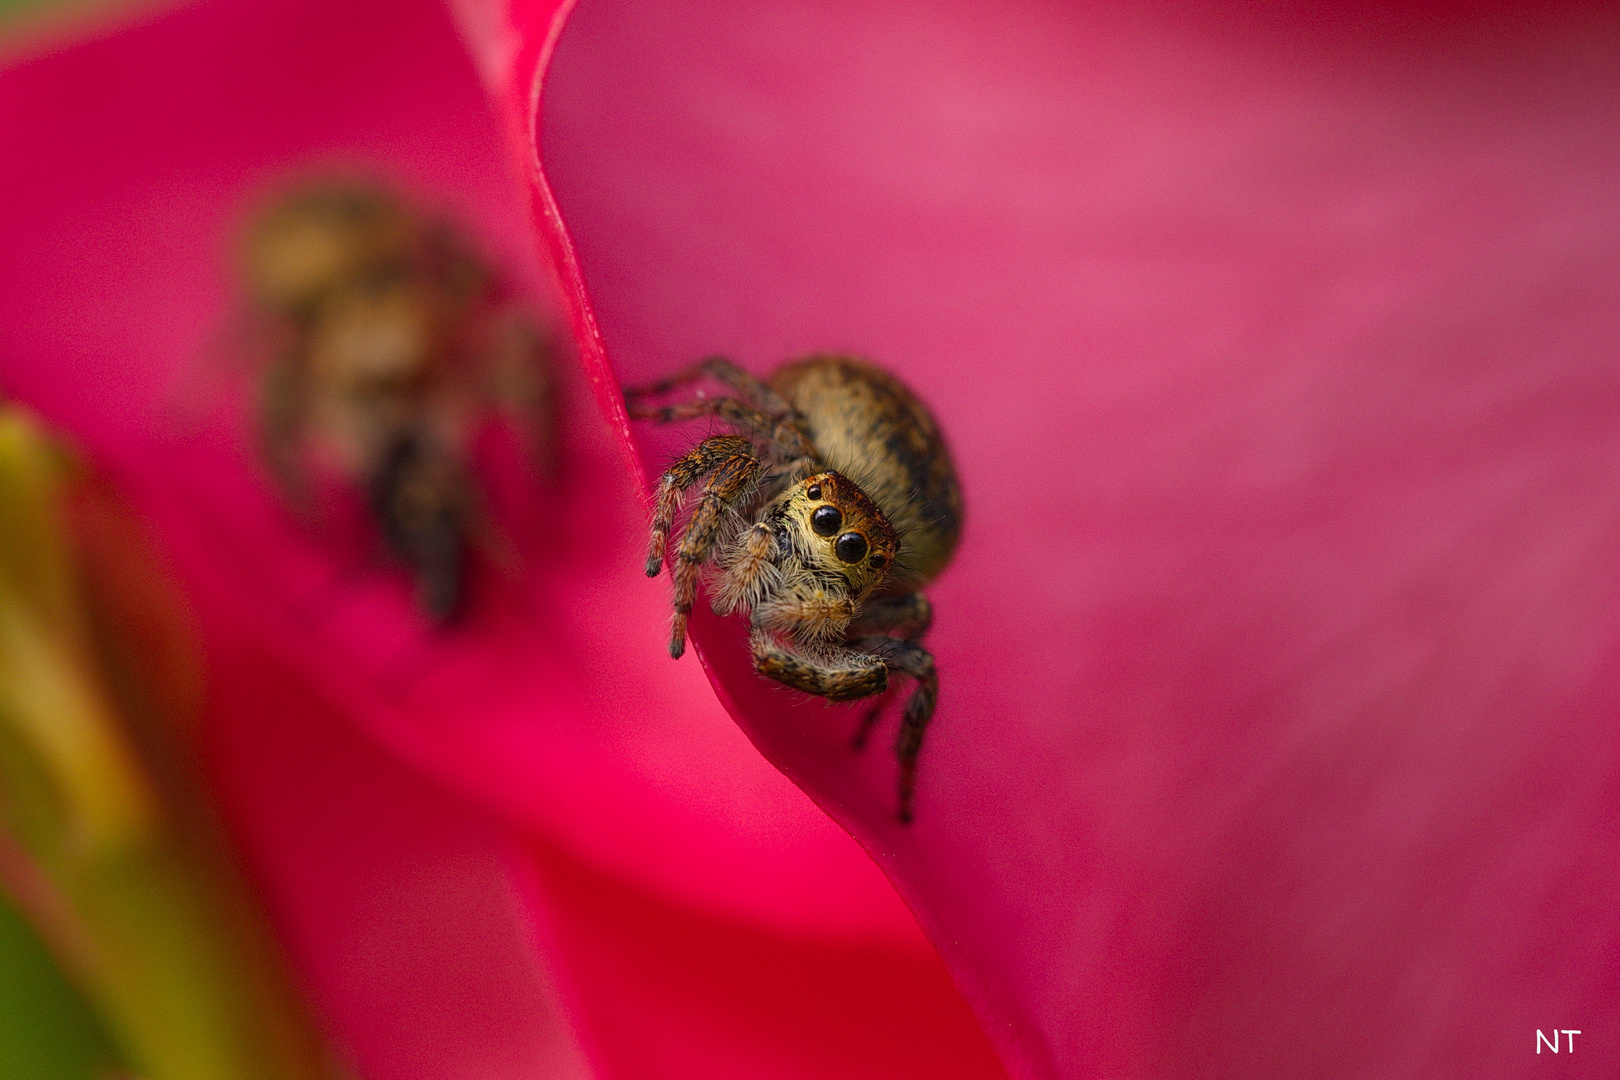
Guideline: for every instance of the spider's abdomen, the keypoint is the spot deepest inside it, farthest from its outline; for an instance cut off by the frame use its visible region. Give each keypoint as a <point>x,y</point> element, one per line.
<point>867,425</point>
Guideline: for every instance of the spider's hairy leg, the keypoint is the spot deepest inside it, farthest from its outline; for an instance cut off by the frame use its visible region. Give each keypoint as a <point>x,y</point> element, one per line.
<point>732,409</point>
<point>721,370</point>
<point>732,480</point>
<point>787,438</point>
<point>703,459</point>
<point>845,675</point>
<point>914,660</point>
<point>906,617</point>
<point>869,719</point>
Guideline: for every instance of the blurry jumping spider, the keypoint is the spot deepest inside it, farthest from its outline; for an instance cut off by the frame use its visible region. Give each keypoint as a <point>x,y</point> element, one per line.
<point>384,341</point>
<point>826,515</point>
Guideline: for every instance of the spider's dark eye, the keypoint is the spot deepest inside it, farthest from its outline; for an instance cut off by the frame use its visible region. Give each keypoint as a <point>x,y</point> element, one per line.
<point>826,520</point>
<point>815,491</point>
<point>879,562</point>
<point>851,547</point>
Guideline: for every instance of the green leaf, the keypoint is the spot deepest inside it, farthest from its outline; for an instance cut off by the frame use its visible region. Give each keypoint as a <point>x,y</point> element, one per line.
<point>46,1030</point>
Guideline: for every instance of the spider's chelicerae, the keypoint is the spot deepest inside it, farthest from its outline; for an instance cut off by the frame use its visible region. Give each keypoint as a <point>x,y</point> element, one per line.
<point>826,513</point>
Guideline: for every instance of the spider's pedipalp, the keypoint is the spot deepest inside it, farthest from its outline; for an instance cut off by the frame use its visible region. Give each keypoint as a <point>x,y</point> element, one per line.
<point>749,571</point>
<point>806,607</point>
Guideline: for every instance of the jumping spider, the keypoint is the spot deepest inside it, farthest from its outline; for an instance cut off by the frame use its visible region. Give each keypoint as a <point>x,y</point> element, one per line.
<point>825,515</point>
<point>385,340</point>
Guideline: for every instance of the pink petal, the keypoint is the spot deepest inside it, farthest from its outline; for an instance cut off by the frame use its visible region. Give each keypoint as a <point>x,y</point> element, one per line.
<point>123,253</point>
<point>1278,351</point>
<point>665,990</point>
<point>393,898</point>
<point>549,716</point>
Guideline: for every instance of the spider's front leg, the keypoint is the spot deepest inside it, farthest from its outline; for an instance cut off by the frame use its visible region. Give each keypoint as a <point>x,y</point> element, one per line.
<point>733,470</point>
<point>842,675</point>
<point>702,460</point>
<point>861,670</point>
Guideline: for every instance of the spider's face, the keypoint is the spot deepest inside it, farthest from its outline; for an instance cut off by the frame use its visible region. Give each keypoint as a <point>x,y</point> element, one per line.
<point>839,530</point>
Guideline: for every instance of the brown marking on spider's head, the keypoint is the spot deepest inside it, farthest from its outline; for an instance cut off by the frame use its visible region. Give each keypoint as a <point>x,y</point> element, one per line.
<point>839,530</point>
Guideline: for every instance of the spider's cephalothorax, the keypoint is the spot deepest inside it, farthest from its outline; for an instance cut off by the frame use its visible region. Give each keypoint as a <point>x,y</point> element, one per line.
<point>826,514</point>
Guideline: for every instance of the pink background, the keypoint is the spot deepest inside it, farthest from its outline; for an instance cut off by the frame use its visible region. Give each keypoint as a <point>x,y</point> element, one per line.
<point>504,849</point>
<point>1278,347</point>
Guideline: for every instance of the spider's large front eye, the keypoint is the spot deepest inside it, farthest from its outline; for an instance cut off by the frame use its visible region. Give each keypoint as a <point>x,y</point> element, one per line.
<point>851,547</point>
<point>826,520</point>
